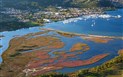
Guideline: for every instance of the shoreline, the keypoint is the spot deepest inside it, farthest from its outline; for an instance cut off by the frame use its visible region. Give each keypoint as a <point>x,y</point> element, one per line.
<point>73,34</point>
<point>33,24</point>
<point>88,35</point>
<point>11,52</point>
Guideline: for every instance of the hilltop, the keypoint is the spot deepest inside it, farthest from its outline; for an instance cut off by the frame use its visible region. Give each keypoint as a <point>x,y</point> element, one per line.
<point>29,4</point>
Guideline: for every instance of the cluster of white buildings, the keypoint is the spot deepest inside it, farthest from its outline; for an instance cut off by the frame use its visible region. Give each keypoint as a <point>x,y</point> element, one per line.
<point>46,16</point>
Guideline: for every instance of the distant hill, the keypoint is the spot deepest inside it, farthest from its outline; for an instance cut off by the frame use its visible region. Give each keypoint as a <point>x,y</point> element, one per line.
<point>24,4</point>
<point>118,3</point>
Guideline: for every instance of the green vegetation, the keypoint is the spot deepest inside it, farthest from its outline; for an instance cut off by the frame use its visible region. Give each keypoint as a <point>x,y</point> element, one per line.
<point>8,23</point>
<point>30,18</point>
<point>58,53</point>
<point>15,54</point>
<point>15,60</point>
<point>9,26</point>
<point>54,75</point>
<point>112,67</point>
<point>105,3</point>
<point>40,4</point>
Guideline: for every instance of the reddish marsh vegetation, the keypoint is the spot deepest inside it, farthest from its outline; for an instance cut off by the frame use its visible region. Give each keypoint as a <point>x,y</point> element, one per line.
<point>97,39</point>
<point>29,55</point>
<point>63,64</point>
<point>80,46</point>
<point>25,50</point>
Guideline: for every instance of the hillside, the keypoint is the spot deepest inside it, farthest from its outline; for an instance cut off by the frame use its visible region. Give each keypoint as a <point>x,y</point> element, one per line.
<point>26,4</point>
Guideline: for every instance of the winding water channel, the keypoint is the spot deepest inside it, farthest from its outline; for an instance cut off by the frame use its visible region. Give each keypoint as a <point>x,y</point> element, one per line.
<point>109,24</point>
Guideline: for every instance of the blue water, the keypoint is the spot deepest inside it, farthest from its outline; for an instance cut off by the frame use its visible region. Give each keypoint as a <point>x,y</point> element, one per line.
<point>8,35</point>
<point>97,25</point>
<point>112,47</point>
<point>111,26</point>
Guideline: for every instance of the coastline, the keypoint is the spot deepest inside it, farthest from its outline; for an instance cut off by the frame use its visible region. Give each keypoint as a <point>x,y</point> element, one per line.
<point>88,35</point>
<point>102,40</point>
<point>11,55</point>
<point>35,24</point>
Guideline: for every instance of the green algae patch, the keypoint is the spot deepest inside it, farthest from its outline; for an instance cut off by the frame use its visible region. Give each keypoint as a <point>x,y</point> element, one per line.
<point>79,46</point>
